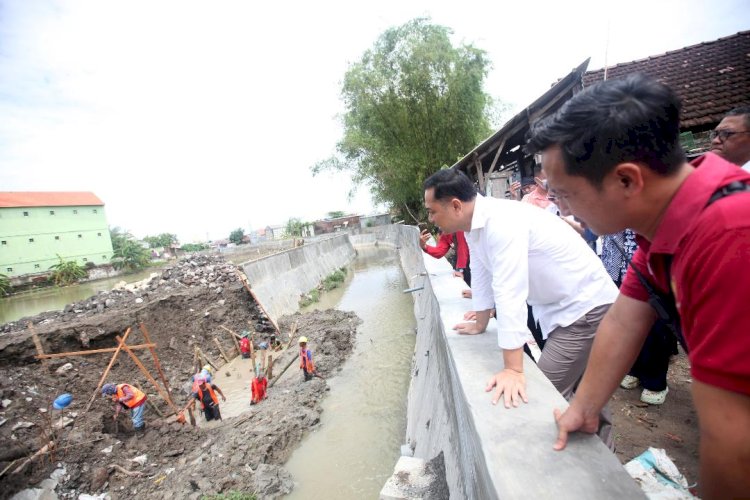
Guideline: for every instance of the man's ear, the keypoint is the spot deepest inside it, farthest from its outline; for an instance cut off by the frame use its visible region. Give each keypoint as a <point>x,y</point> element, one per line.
<point>629,178</point>
<point>456,204</point>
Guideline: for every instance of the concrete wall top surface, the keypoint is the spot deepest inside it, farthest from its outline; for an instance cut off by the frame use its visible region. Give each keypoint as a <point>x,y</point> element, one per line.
<point>500,453</point>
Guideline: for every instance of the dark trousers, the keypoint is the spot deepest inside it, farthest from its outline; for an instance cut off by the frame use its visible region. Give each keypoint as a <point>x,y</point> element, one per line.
<point>652,363</point>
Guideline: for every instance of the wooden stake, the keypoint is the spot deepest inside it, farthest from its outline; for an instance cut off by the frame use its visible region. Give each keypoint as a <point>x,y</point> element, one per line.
<point>150,403</point>
<point>156,358</point>
<point>291,335</point>
<point>207,360</point>
<point>271,384</point>
<point>92,351</point>
<point>270,366</point>
<point>148,376</point>
<point>221,350</point>
<point>37,343</point>
<point>121,342</point>
<point>234,338</point>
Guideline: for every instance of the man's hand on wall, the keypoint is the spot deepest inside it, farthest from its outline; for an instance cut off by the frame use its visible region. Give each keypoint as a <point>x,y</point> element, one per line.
<point>511,384</point>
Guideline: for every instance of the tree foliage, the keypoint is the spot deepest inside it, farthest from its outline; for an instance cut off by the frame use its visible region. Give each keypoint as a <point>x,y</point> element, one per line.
<point>414,103</point>
<point>119,236</point>
<point>193,247</point>
<point>237,235</point>
<point>335,214</point>
<point>294,227</point>
<point>66,272</point>
<point>163,240</point>
<point>5,285</point>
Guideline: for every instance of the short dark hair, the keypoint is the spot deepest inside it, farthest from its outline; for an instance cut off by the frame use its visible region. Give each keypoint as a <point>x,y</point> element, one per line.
<point>450,183</point>
<point>635,119</point>
<point>743,111</point>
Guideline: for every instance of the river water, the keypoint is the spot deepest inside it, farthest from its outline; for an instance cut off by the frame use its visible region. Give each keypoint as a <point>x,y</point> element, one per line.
<point>34,302</point>
<point>353,451</point>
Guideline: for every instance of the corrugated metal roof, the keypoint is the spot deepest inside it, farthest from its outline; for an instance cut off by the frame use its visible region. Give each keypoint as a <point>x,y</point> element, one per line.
<point>48,199</point>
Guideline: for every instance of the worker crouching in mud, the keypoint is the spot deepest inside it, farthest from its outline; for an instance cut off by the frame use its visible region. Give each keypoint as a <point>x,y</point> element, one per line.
<point>205,394</point>
<point>305,360</point>
<point>130,398</point>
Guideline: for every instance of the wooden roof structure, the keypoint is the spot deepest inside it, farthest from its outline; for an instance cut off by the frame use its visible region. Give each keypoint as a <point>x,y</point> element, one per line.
<point>504,148</point>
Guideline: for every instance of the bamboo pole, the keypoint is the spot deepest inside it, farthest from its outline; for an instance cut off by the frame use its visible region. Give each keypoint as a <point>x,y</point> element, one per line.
<point>221,350</point>
<point>271,384</point>
<point>37,343</point>
<point>270,366</point>
<point>146,335</point>
<point>234,337</point>
<point>208,360</point>
<point>148,376</point>
<point>109,367</point>
<point>150,403</point>
<point>92,351</point>
<point>291,335</point>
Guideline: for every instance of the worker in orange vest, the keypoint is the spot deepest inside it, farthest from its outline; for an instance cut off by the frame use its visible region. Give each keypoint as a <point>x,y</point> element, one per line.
<point>206,396</point>
<point>258,388</point>
<point>305,360</point>
<point>130,398</point>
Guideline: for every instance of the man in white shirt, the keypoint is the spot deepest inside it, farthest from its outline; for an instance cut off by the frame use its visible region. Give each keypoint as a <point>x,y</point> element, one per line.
<point>522,254</point>
<point>731,138</point>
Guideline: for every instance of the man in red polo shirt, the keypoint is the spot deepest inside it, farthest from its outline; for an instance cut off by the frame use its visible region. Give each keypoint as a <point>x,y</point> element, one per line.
<point>613,158</point>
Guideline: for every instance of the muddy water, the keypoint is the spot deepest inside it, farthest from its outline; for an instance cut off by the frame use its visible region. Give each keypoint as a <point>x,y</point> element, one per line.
<point>53,299</point>
<point>353,451</point>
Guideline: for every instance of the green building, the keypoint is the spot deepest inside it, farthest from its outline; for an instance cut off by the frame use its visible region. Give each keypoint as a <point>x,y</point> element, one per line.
<point>37,227</point>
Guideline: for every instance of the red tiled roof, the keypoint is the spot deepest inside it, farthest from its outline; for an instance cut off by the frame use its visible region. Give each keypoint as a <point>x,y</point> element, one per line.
<point>711,78</point>
<point>48,199</point>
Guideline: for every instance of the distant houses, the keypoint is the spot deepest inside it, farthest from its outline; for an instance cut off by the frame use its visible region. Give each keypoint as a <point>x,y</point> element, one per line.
<point>37,227</point>
<point>324,226</point>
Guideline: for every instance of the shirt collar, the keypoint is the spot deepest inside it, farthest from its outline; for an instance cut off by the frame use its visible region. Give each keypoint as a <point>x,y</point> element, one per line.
<point>690,200</point>
<point>481,213</point>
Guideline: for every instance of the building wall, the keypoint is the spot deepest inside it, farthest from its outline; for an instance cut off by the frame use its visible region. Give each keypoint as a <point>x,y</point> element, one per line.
<point>31,238</point>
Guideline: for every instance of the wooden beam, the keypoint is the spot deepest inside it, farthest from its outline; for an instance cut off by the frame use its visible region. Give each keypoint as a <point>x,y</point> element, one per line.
<point>120,343</point>
<point>92,351</point>
<point>221,350</point>
<point>146,335</point>
<point>243,279</point>
<point>148,376</point>
<point>494,161</point>
<point>207,359</point>
<point>480,174</point>
<point>37,343</point>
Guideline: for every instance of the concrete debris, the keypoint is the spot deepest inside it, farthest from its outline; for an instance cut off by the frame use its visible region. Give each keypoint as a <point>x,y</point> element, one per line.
<point>6,403</point>
<point>140,459</point>
<point>64,369</point>
<point>23,425</point>
<point>108,449</point>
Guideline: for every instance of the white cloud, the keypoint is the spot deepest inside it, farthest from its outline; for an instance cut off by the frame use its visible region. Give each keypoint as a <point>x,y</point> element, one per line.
<point>198,118</point>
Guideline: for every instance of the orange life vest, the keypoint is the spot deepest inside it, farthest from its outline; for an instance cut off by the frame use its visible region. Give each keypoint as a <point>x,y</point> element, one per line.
<point>138,396</point>
<point>210,393</point>
<point>306,363</point>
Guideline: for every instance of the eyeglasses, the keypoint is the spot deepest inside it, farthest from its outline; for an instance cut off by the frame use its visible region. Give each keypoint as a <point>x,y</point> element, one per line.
<point>723,135</point>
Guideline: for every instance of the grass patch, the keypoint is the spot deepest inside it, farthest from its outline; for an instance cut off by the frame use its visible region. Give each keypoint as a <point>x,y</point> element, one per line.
<point>310,298</point>
<point>335,279</point>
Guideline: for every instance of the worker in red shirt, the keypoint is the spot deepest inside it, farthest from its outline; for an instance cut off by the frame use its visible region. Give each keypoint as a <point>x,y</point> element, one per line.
<point>245,345</point>
<point>130,398</point>
<point>444,243</point>
<point>613,158</point>
<point>258,388</point>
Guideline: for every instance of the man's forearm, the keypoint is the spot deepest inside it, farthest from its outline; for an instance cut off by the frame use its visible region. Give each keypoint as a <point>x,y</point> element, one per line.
<point>618,341</point>
<point>513,359</point>
<point>483,318</point>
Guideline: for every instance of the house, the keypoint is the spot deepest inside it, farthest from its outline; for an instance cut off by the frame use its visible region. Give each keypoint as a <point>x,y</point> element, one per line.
<point>710,78</point>
<point>37,227</point>
<point>336,224</point>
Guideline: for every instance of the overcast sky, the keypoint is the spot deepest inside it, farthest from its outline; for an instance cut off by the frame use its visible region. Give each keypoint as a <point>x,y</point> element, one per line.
<point>197,118</point>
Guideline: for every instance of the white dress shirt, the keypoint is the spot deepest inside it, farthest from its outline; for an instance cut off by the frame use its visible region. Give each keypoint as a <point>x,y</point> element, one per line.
<point>521,253</point>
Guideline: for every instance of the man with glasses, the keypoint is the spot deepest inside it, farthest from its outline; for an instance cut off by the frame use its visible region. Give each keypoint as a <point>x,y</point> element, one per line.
<point>731,138</point>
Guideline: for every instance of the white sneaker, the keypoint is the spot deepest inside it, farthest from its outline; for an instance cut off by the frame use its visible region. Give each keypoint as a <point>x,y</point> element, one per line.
<point>629,382</point>
<point>654,397</point>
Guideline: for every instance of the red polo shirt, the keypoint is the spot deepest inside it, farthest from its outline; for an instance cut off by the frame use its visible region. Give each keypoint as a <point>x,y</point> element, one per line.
<point>710,272</point>
<point>444,244</point>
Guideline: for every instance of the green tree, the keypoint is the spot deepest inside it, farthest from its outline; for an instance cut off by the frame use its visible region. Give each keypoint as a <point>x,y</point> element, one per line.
<point>118,236</point>
<point>193,247</point>
<point>335,214</point>
<point>5,285</point>
<point>163,240</point>
<point>67,272</point>
<point>414,103</point>
<point>294,227</point>
<point>237,235</point>
<point>130,255</point>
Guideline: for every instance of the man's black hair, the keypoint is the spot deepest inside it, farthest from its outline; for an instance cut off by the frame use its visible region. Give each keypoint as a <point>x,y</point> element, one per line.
<point>634,119</point>
<point>743,111</point>
<point>450,183</point>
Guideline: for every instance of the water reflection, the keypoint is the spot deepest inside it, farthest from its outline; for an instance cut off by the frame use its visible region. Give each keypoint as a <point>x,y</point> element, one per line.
<point>353,452</point>
<point>34,302</point>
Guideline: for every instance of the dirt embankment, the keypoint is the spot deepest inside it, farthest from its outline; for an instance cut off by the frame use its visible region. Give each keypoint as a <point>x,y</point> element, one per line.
<point>183,308</point>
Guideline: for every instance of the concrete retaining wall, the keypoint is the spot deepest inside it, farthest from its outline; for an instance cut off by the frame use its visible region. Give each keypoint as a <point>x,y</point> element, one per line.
<point>280,279</point>
<point>489,451</point>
